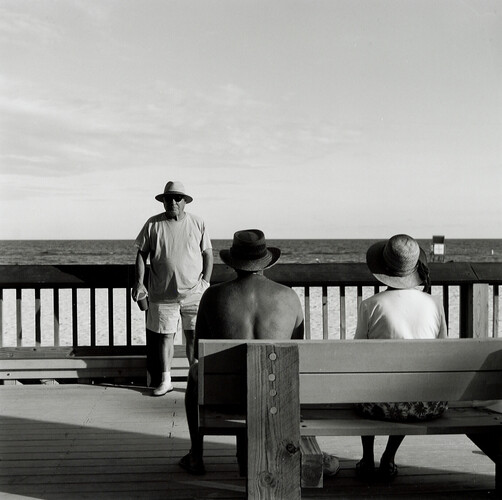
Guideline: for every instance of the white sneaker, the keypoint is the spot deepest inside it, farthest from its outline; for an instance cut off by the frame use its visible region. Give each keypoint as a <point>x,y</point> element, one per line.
<point>163,388</point>
<point>330,464</point>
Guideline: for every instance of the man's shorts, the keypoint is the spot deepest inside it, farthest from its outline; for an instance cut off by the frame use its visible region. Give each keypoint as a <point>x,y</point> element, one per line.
<point>164,317</point>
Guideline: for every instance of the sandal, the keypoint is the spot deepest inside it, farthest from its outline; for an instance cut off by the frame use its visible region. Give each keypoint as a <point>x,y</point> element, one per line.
<point>191,465</point>
<point>365,470</point>
<point>387,471</point>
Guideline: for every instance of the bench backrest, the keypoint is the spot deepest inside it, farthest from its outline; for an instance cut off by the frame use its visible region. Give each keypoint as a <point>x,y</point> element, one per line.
<point>351,371</point>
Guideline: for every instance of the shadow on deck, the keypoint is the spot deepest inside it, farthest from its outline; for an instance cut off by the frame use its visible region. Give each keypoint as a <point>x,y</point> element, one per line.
<point>102,442</point>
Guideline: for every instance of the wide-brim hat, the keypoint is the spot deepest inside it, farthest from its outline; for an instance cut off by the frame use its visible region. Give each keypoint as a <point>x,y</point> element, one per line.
<point>396,262</point>
<point>249,252</point>
<point>173,188</point>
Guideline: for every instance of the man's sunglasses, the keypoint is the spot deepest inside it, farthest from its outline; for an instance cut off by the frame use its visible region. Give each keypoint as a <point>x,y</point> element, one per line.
<point>176,197</point>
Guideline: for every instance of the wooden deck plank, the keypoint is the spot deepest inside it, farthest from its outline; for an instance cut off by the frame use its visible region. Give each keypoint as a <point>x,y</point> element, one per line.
<point>77,442</point>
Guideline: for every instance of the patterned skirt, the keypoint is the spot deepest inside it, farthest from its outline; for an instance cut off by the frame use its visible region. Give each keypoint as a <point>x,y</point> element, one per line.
<point>403,412</point>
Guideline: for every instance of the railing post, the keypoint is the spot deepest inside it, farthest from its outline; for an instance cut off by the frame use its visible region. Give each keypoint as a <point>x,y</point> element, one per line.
<point>74,316</point>
<point>474,310</point>
<point>307,313</point>
<point>495,310</point>
<point>55,309</point>
<point>111,335</point>
<point>343,312</point>
<point>19,317</point>
<point>273,422</point>
<point>1,317</point>
<point>38,314</point>
<point>325,331</point>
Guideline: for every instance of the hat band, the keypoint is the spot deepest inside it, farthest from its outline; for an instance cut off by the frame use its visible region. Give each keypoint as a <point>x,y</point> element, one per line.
<point>400,273</point>
<point>248,253</point>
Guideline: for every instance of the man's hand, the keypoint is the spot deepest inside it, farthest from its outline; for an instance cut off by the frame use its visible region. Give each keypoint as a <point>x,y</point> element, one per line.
<point>137,289</point>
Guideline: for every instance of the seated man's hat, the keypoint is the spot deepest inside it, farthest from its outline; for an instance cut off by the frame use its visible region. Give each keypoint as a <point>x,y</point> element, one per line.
<point>249,252</point>
<point>173,188</point>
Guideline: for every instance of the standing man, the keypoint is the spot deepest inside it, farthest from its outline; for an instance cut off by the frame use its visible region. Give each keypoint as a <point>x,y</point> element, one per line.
<point>181,263</point>
<point>249,307</point>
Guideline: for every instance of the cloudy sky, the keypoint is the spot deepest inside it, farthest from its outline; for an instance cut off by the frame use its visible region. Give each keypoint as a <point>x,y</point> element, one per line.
<point>305,118</point>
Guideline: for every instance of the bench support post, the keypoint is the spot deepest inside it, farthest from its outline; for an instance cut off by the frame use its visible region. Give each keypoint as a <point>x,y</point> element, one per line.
<point>311,463</point>
<point>273,422</point>
<point>491,445</point>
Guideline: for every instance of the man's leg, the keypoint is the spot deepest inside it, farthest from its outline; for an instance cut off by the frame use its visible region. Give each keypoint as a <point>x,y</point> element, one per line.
<point>193,462</point>
<point>189,308</point>
<point>189,337</point>
<point>152,359</point>
<point>368,456</point>
<point>166,351</point>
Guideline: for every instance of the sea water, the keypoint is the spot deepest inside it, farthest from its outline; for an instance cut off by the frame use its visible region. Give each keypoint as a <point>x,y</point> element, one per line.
<point>304,251</point>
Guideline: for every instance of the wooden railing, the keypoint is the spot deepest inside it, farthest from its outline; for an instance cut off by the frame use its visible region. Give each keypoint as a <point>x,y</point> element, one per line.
<point>471,290</point>
<point>78,321</point>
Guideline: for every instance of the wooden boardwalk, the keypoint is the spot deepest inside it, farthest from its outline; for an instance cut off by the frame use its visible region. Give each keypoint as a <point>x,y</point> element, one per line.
<point>106,442</point>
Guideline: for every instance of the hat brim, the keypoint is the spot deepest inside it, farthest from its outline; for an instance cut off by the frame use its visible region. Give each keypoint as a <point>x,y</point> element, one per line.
<point>160,197</point>
<point>269,260</point>
<point>376,264</point>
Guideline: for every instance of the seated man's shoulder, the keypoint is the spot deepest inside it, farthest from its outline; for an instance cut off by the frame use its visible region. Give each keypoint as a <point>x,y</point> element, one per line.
<point>281,291</point>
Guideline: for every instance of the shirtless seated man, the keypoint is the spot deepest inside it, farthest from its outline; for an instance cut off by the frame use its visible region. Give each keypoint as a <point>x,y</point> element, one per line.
<point>249,307</point>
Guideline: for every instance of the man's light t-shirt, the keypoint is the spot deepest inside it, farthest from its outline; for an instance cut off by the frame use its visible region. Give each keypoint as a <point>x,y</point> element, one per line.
<point>175,249</point>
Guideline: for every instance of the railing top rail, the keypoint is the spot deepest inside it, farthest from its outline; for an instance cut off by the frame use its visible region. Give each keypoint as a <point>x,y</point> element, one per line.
<point>333,274</point>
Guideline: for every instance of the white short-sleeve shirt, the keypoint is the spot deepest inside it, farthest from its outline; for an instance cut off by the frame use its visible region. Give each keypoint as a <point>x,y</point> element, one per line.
<point>401,314</point>
<point>175,249</point>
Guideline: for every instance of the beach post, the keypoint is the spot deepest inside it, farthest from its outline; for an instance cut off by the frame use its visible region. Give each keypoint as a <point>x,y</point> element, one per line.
<point>437,249</point>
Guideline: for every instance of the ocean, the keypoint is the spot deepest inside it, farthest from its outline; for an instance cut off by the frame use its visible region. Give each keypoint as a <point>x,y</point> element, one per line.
<point>305,251</point>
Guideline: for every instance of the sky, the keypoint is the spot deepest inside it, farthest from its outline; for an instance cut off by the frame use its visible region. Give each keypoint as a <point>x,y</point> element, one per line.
<point>304,118</point>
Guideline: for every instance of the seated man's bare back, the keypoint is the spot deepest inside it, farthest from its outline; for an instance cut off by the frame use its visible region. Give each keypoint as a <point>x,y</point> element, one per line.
<point>250,307</point>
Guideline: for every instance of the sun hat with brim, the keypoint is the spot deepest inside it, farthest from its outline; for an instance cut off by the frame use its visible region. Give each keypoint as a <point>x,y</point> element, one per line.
<point>249,252</point>
<point>173,188</point>
<point>396,262</point>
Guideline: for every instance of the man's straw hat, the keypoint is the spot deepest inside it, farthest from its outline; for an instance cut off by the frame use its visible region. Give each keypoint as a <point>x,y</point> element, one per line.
<point>173,188</point>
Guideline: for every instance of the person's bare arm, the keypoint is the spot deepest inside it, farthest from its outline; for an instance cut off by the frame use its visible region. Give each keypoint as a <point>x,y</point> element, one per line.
<point>140,267</point>
<point>207,264</point>
<point>202,330</point>
<point>298,332</point>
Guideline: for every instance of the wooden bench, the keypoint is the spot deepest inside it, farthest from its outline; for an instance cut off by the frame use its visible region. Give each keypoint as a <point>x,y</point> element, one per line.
<point>258,389</point>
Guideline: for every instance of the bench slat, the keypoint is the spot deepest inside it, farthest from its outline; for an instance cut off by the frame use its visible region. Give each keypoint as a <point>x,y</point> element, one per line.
<point>373,356</point>
<point>363,387</point>
<point>348,423</point>
<point>395,387</point>
<point>391,356</point>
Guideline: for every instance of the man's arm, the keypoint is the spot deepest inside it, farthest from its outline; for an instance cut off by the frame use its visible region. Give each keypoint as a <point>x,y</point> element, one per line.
<point>298,332</point>
<point>207,264</point>
<point>202,330</point>
<point>140,267</point>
